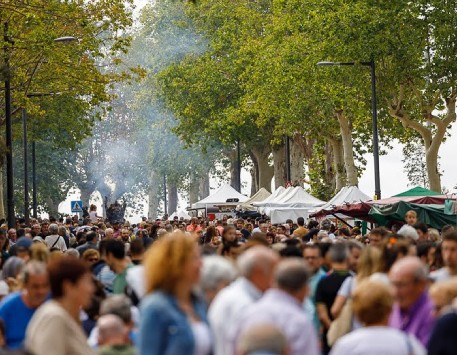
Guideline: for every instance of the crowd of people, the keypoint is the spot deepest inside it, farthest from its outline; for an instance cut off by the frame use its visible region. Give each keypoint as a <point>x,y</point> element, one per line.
<point>225,287</point>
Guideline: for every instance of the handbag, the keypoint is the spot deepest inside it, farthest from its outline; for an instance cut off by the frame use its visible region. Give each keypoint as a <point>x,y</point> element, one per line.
<point>342,324</point>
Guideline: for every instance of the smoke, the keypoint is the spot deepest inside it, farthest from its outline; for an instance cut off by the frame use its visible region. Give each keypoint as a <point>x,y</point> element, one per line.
<point>135,136</point>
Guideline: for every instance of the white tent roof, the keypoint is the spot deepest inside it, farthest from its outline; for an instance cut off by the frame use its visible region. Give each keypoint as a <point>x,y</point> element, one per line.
<point>260,195</point>
<point>220,197</point>
<point>180,214</point>
<point>293,197</point>
<point>276,193</point>
<point>348,194</point>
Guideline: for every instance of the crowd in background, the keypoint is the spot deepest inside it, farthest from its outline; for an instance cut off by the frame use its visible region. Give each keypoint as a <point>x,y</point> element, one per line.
<point>231,286</point>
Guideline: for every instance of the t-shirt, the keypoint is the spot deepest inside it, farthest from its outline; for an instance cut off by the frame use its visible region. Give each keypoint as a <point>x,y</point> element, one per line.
<point>117,350</point>
<point>378,341</point>
<point>326,292</point>
<point>120,281</point>
<point>440,275</point>
<point>328,288</point>
<point>16,316</point>
<point>56,241</point>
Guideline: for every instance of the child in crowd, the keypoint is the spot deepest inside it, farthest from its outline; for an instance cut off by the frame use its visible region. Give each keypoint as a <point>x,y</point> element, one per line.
<point>411,217</point>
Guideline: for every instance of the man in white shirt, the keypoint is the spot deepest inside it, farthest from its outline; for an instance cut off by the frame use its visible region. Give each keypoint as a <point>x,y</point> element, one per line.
<point>54,240</point>
<point>282,307</point>
<point>256,267</point>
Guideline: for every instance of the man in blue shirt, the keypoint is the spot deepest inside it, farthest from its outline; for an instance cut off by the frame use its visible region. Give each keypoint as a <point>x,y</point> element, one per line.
<point>17,309</point>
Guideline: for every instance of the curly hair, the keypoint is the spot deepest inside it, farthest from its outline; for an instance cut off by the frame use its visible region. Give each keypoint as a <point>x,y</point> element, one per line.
<point>164,263</point>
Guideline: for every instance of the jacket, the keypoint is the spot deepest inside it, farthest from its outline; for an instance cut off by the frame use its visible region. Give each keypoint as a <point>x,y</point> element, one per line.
<point>164,328</point>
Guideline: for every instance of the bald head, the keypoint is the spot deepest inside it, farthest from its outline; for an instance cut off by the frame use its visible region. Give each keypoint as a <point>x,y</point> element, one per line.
<point>292,276</point>
<point>410,266</point>
<point>257,265</point>
<point>262,339</point>
<point>111,330</point>
<point>409,280</point>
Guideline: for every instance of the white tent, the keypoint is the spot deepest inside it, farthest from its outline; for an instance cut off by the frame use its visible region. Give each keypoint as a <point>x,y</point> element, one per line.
<point>180,214</point>
<point>348,194</point>
<point>276,193</point>
<point>293,197</point>
<point>279,215</point>
<point>260,195</point>
<point>220,197</point>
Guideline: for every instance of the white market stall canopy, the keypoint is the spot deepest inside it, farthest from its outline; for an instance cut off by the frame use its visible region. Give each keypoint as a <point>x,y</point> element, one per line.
<point>226,195</point>
<point>180,214</point>
<point>259,196</point>
<point>292,197</point>
<point>347,195</point>
<point>280,215</point>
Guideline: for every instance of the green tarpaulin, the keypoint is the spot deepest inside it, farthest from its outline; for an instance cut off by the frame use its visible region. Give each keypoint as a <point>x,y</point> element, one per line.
<point>432,215</point>
<point>418,191</point>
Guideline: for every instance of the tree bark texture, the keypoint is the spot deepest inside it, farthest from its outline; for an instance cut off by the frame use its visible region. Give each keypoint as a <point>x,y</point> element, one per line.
<point>348,151</point>
<point>279,166</point>
<point>172,197</point>
<point>154,198</point>
<point>338,163</point>
<point>265,170</point>
<point>297,160</point>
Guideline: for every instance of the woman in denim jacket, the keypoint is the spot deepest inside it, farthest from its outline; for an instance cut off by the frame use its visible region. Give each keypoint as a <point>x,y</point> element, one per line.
<point>173,320</point>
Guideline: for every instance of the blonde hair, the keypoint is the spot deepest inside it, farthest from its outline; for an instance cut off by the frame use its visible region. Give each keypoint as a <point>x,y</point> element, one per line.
<point>165,261</point>
<point>448,289</point>
<point>90,253</point>
<point>369,263</point>
<point>411,213</point>
<point>372,302</point>
<point>39,252</point>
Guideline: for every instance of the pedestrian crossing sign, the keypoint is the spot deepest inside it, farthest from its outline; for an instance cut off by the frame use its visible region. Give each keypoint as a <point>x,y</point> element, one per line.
<point>76,206</point>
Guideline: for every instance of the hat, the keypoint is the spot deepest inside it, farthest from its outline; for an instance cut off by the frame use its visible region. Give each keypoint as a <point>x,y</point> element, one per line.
<point>23,244</point>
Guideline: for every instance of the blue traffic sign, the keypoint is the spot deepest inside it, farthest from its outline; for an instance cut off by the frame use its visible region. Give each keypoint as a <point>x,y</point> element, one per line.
<point>76,206</point>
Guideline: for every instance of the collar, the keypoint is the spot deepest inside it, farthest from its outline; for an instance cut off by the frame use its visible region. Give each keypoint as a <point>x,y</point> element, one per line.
<point>279,295</point>
<point>416,306</point>
<point>250,288</point>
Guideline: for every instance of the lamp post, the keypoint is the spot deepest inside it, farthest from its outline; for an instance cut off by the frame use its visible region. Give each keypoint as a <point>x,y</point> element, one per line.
<point>238,167</point>
<point>62,40</point>
<point>374,120</point>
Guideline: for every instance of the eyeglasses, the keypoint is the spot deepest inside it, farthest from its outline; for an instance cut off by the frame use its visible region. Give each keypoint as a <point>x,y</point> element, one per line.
<point>93,260</point>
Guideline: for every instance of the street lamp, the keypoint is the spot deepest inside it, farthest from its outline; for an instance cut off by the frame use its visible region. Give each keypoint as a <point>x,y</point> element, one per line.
<point>374,120</point>
<point>26,171</point>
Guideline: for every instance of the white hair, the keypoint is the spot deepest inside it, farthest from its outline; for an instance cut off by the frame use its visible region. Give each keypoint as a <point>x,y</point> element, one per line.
<point>408,232</point>
<point>110,326</point>
<point>256,256</point>
<point>216,269</point>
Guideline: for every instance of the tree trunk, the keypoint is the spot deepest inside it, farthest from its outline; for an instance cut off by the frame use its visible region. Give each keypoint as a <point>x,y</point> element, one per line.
<point>265,170</point>
<point>193,188</point>
<point>297,160</point>
<point>254,173</point>
<point>330,176</point>
<point>233,157</point>
<point>432,139</point>
<point>348,152</point>
<point>203,190</point>
<point>153,196</point>
<point>53,207</point>
<point>172,197</point>
<point>338,163</point>
<point>279,165</point>
<point>2,206</point>
<point>85,196</point>
<point>254,186</point>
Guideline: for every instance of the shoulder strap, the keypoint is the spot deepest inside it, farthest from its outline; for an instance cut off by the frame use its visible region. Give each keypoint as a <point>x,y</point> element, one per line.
<point>53,245</point>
